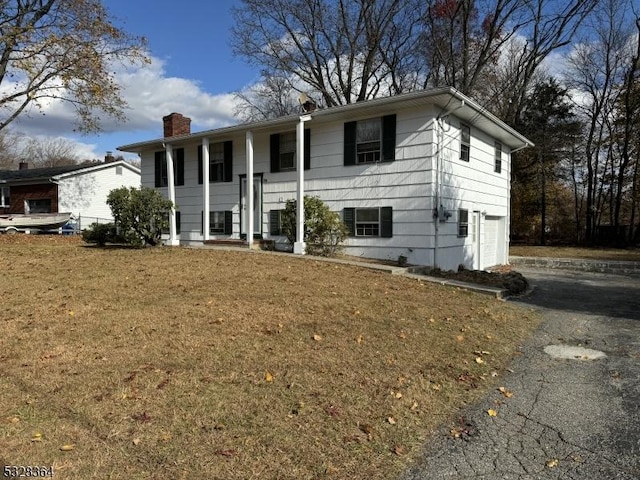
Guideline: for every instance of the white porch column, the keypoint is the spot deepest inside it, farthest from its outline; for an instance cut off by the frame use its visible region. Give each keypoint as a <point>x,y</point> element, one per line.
<point>205,189</point>
<point>173,238</point>
<point>299,247</point>
<point>248,217</point>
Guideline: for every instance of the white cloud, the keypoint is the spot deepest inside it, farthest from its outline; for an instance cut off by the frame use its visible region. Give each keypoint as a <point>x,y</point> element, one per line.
<point>150,95</point>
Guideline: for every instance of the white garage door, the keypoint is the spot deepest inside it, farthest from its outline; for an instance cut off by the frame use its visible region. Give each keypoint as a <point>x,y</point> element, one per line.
<point>490,241</point>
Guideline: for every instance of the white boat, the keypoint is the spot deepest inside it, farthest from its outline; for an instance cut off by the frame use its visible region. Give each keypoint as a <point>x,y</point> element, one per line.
<point>35,221</point>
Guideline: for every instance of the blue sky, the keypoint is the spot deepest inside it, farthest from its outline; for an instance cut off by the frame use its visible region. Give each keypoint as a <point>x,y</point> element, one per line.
<point>193,72</point>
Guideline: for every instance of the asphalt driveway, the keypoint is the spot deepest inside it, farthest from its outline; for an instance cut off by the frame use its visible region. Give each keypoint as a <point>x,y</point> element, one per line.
<point>575,409</point>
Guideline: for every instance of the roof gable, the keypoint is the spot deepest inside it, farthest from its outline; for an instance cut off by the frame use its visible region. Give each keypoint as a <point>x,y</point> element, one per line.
<point>54,173</point>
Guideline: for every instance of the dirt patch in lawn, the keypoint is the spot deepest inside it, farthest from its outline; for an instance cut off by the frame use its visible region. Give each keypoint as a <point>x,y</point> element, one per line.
<point>181,363</point>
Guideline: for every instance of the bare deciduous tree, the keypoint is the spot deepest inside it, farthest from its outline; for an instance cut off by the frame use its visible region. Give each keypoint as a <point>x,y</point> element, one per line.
<point>49,152</point>
<point>596,71</point>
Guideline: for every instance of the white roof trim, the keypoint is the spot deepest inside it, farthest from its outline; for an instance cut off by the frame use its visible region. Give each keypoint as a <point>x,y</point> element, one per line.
<point>94,168</point>
<point>468,110</point>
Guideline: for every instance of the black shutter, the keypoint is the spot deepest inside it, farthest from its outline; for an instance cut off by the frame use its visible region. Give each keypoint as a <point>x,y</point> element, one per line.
<point>158,170</point>
<point>200,165</point>
<point>307,148</point>
<point>201,222</point>
<point>349,219</point>
<point>388,138</point>
<point>275,153</point>
<point>179,166</point>
<point>228,222</point>
<point>350,143</point>
<point>228,161</point>
<point>386,222</point>
<point>275,227</point>
<point>177,221</point>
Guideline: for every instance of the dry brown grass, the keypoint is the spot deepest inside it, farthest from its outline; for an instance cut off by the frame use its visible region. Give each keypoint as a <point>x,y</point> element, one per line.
<point>631,254</point>
<point>178,363</point>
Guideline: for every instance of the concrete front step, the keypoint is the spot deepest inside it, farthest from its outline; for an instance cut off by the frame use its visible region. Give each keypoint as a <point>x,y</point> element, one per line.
<point>579,264</point>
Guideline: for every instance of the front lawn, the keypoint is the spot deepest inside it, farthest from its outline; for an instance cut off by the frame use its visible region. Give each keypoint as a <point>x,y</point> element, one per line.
<point>180,363</point>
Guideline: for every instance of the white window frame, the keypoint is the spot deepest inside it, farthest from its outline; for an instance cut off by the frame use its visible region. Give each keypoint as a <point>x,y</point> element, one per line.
<point>216,162</point>
<point>216,222</point>
<point>364,226</point>
<point>497,166</point>
<point>463,222</point>
<point>290,153</point>
<point>368,150</point>
<point>465,142</point>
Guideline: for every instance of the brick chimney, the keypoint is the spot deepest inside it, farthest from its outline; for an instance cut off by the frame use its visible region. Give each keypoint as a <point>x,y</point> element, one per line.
<point>23,166</point>
<point>176,124</point>
<point>108,158</point>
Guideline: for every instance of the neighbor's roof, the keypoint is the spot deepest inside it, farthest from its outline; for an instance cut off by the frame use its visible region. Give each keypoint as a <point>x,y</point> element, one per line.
<point>448,99</point>
<point>32,175</point>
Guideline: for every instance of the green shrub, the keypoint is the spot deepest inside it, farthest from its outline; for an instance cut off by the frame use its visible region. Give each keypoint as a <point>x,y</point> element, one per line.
<point>140,214</point>
<point>100,233</point>
<point>324,229</point>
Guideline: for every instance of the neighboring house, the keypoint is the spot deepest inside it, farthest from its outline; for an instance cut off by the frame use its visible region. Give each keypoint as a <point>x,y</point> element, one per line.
<point>79,189</point>
<point>424,175</point>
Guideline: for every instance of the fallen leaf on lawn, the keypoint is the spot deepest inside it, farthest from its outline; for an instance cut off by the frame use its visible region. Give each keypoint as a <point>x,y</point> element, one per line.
<point>268,376</point>
<point>71,313</point>
<point>360,339</point>
<point>37,437</point>
<point>414,406</point>
<point>330,470</point>
<point>317,337</point>
<point>227,452</point>
<point>460,338</point>
<point>367,428</point>
<point>67,448</point>
<point>505,392</point>
<point>136,441</point>
<point>356,312</point>
<point>399,450</point>
<point>492,413</point>
<point>552,463</point>
<point>398,395</point>
<point>479,360</point>
<point>391,420</point>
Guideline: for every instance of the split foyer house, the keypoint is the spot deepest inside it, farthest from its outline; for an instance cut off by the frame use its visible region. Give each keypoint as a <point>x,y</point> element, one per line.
<point>79,189</point>
<point>424,175</point>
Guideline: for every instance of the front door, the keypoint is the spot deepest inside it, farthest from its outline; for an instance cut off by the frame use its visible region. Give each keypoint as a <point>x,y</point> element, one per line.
<point>257,206</point>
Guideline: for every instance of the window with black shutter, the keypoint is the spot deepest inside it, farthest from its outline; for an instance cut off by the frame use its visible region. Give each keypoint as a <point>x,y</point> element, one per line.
<point>370,140</point>
<point>161,175</point>
<point>283,151</point>
<point>220,162</point>
<point>369,222</point>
